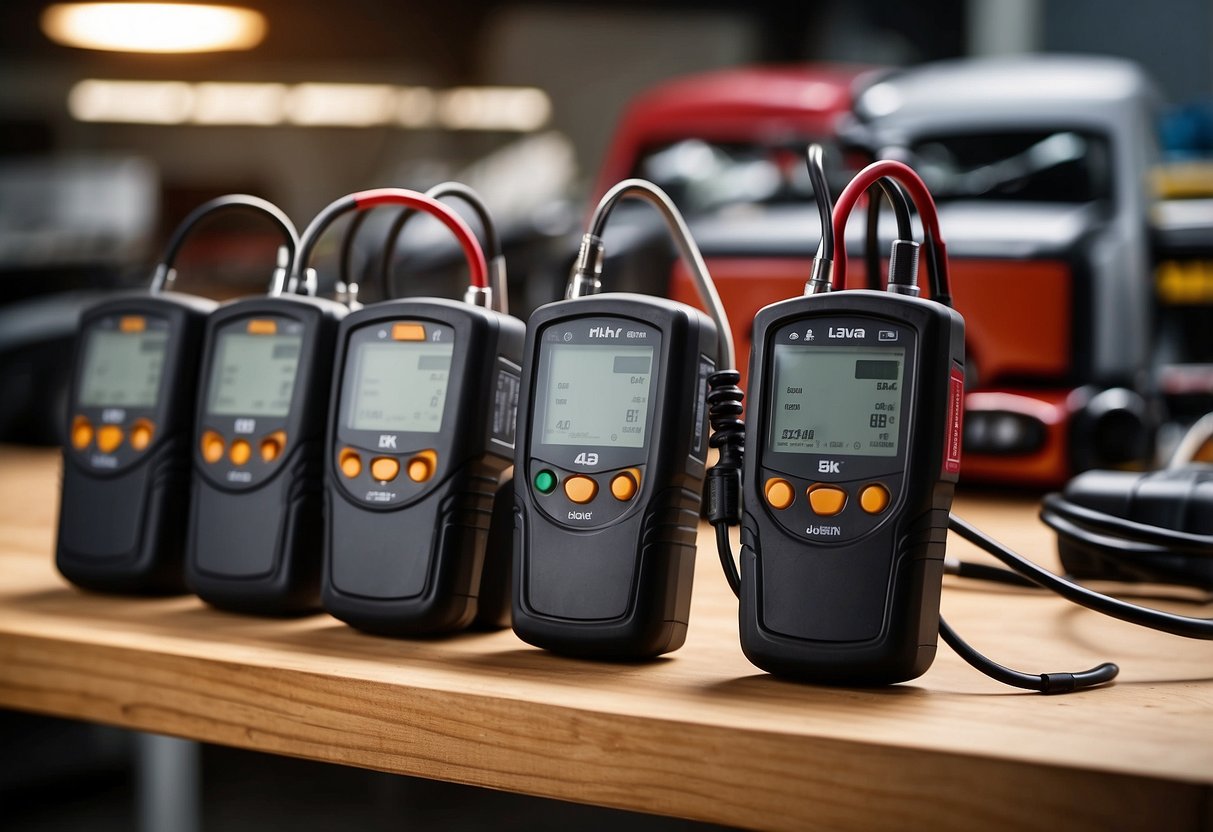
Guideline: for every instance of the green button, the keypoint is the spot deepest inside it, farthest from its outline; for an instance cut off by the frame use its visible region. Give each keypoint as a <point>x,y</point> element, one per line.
<point>545,481</point>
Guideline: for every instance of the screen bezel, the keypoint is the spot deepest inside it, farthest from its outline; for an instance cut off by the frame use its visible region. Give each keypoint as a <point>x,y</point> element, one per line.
<point>807,464</point>
<point>576,331</point>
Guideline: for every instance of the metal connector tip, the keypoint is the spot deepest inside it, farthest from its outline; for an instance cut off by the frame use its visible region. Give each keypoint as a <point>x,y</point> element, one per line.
<point>481,296</point>
<point>584,279</point>
<point>903,268</point>
<point>820,276</point>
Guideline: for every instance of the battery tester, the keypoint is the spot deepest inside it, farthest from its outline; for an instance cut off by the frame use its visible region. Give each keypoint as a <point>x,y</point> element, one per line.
<point>256,516</point>
<point>610,455</point>
<point>126,467</point>
<point>846,508</point>
<point>421,435</point>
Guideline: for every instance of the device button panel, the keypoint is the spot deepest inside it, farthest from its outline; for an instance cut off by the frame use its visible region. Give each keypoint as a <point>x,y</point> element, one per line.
<point>829,512</point>
<point>582,499</point>
<point>238,456</point>
<point>388,479</point>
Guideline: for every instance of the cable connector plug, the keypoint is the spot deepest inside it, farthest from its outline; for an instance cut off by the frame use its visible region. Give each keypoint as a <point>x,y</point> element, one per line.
<point>586,276</point>
<point>820,276</point>
<point>903,268</point>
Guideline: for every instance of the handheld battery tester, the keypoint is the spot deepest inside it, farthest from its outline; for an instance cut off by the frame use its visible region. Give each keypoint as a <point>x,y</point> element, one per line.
<point>126,466</point>
<point>610,457</point>
<point>424,403</point>
<point>256,517</point>
<point>853,452</point>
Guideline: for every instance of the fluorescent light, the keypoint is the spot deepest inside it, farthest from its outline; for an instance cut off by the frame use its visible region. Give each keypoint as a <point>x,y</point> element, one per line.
<point>415,107</point>
<point>135,102</point>
<point>153,27</point>
<point>515,109</point>
<point>341,105</point>
<point>237,103</point>
<point>494,108</point>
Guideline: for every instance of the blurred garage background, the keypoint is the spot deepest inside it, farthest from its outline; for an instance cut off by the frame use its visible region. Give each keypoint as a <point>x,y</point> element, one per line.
<point>103,152</point>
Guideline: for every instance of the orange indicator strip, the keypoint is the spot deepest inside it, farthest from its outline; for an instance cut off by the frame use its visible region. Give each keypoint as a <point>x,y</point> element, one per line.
<point>262,326</point>
<point>132,323</point>
<point>408,332</point>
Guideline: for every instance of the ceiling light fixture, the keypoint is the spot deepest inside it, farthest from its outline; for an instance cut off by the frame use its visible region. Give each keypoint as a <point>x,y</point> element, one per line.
<point>153,27</point>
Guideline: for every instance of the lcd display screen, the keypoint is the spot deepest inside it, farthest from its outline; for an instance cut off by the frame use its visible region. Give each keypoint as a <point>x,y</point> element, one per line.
<point>838,400</point>
<point>253,374</point>
<point>597,394</point>
<point>122,369</point>
<point>400,385</point>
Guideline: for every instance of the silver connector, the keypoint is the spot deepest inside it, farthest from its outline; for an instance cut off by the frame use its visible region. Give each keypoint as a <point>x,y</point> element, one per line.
<point>903,268</point>
<point>162,279</point>
<point>481,296</point>
<point>497,285</point>
<point>820,276</point>
<point>585,278</point>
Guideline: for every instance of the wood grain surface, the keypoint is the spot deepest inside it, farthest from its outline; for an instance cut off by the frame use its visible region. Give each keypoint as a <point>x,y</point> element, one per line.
<point>699,734</point>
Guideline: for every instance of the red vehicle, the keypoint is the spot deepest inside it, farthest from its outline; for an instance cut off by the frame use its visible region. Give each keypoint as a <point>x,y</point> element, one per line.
<point>1039,204</point>
<point>736,137</point>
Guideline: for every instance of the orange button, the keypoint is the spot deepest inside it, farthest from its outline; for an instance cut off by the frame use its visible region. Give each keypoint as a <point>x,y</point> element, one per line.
<point>212,446</point>
<point>779,493</point>
<point>350,462</point>
<point>580,489</point>
<point>109,437</point>
<point>271,446</point>
<point>141,434</point>
<point>421,467</point>
<point>408,332</point>
<point>874,499</point>
<point>241,452</point>
<point>385,468</point>
<point>82,433</point>
<point>132,323</point>
<point>624,486</point>
<point>262,326</point>
<point>827,500</point>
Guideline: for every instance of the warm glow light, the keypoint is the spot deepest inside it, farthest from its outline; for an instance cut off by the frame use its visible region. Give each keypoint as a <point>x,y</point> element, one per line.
<point>510,109</point>
<point>153,27</point>
<point>494,108</point>
<point>234,103</point>
<point>137,102</point>
<point>341,105</point>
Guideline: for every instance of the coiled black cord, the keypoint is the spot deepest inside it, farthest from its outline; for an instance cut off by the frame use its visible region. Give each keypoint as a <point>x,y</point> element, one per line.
<point>724,480</point>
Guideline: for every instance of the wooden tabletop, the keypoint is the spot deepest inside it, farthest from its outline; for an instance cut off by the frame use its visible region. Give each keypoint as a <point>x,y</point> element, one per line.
<point>698,734</point>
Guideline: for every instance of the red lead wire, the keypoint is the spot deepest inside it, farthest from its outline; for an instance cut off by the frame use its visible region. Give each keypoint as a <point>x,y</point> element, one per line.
<point>414,199</point>
<point>923,201</point>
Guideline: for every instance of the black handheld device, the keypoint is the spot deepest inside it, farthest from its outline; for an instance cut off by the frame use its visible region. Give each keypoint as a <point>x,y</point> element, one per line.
<point>610,458</point>
<point>256,516</point>
<point>424,406</point>
<point>126,472</point>
<point>852,455</point>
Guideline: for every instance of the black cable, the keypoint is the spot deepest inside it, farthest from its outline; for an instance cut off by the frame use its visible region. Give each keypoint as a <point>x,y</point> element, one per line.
<point>347,246</point>
<point>222,203</point>
<point>1059,513</point>
<point>1042,683</point>
<point>492,241</point>
<point>814,161</point>
<point>1179,625</point>
<point>900,201</point>
<point>986,572</point>
<point>725,410</point>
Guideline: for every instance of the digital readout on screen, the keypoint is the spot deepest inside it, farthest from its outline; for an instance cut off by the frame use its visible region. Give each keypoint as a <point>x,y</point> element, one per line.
<point>400,386</point>
<point>843,400</point>
<point>597,394</point>
<point>253,375</point>
<point>122,369</point>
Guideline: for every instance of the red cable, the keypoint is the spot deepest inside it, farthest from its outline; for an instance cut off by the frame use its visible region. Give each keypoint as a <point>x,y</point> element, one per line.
<point>414,199</point>
<point>923,201</point>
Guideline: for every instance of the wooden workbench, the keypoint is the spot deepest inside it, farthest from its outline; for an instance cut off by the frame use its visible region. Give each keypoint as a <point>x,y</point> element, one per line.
<point>699,734</point>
